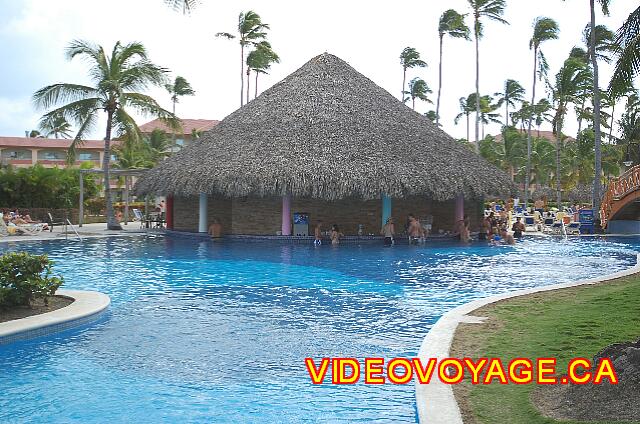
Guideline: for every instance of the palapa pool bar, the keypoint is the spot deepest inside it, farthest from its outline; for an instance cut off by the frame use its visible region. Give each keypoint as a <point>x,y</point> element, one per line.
<point>329,142</point>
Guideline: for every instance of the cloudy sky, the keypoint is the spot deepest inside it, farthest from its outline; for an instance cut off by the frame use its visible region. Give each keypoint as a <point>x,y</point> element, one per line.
<point>369,35</point>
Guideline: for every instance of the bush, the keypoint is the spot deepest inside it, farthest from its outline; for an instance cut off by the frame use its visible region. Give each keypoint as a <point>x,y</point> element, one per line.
<point>25,277</point>
<point>40,187</point>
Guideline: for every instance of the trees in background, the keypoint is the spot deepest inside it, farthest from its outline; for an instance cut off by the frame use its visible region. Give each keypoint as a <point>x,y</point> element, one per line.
<point>409,58</point>
<point>259,60</point>
<point>451,24</point>
<point>178,88</point>
<point>418,89</point>
<point>544,29</point>
<point>251,30</point>
<point>40,187</point>
<point>480,9</point>
<point>118,79</point>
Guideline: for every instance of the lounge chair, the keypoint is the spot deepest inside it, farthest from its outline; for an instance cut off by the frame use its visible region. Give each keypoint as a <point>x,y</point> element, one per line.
<point>138,216</point>
<point>52,223</point>
<point>573,228</point>
<point>530,224</point>
<point>556,228</point>
<point>547,224</point>
<point>14,230</point>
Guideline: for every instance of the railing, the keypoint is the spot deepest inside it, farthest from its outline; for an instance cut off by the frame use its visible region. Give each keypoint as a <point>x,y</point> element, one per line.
<point>618,189</point>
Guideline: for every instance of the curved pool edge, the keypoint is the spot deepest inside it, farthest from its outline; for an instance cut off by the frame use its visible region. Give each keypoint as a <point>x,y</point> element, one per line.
<point>435,402</point>
<point>86,307</point>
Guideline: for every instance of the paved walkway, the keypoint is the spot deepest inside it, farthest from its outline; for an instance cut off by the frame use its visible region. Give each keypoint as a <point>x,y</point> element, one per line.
<point>87,230</point>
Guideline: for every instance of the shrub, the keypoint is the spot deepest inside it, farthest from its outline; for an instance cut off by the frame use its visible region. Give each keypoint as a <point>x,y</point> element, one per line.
<point>40,187</point>
<point>25,277</point>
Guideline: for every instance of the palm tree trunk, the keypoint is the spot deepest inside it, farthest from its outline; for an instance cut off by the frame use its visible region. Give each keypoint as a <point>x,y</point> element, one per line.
<point>468,114</point>
<point>404,81</point>
<point>248,83</point>
<point>506,113</point>
<point>174,106</point>
<point>241,74</point>
<point>439,83</point>
<point>584,99</point>
<point>596,111</point>
<point>613,111</point>
<point>111,219</point>
<point>477,86</point>
<point>413,103</point>
<point>558,164</point>
<point>256,86</point>
<point>533,99</point>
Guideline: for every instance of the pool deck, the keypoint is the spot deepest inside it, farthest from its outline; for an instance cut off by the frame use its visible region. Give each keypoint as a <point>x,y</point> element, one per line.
<point>86,231</point>
<point>435,401</point>
<point>86,307</point>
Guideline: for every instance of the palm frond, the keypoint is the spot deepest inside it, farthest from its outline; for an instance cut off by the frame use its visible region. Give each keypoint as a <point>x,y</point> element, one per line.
<point>53,95</point>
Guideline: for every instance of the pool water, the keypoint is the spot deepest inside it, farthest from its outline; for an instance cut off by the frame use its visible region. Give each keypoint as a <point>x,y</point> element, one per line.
<point>218,332</point>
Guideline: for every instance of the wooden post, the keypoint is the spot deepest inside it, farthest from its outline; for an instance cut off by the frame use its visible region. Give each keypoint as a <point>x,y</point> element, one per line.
<point>81,204</point>
<point>126,199</point>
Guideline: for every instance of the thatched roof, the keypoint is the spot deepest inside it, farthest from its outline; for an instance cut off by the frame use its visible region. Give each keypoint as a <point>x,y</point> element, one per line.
<point>326,131</point>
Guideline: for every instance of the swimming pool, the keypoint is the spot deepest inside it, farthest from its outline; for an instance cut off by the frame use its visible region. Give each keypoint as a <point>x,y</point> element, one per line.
<point>207,332</point>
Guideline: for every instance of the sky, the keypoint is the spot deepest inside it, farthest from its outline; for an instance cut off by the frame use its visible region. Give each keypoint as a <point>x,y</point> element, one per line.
<point>368,35</point>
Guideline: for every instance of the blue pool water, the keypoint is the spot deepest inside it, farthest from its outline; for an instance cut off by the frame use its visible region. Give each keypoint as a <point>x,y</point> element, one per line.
<point>207,332</point>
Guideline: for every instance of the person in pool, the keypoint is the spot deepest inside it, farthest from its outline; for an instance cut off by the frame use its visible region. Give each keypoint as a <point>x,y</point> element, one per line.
<point>518,228</point>
<point>507,238</point>
<point>335,235</point>
<point>388,231</point>
<point>318,234</point>
<point>415,230</point>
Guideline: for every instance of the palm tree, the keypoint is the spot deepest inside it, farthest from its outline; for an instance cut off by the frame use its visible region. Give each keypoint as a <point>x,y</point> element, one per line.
<point>451,24</point>
<point>628,43</point>
<point>56,126</point>
<point>251,30</point>
<point>492,10</point>
<point>117,78</point>
<point>418,89</point>
<point>541,113</point>
<point>260,60</point>
<point>487,112</point>
<point>513,93</point>
<point>565,90</point>
<point>34,134</point>
<point>409,58</point>
<point>180,87</point>
<point>593,54</point>
<point>467,106</point>
<point>544,29</point>
<point>185,6</point>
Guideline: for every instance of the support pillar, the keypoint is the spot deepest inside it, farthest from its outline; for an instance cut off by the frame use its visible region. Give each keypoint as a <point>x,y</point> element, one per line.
<point>386,208</point>
<point>81,203</point>
<point>202,215</point>
<point>126,200</point>
<point>169,212</point>
<point>459,211</point>
<point>286,215</point>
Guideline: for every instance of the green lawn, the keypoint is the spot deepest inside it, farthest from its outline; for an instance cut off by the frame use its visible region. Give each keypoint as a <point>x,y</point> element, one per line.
<point>563,324</point>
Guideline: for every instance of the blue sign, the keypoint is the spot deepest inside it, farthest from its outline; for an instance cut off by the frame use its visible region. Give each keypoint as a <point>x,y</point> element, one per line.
<point>301,218</point>
<point>585,216</point>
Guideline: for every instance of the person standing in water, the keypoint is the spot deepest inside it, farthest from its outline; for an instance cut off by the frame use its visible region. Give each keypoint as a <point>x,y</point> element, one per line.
<point>388,231</point>
<point>318,234</point>
<point>335,235</point>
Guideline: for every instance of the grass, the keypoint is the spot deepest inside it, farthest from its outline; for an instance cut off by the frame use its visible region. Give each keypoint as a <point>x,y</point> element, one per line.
<point>566,323</point>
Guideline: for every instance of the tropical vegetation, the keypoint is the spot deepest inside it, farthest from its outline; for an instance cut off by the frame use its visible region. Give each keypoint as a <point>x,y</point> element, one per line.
<point>118,79</point>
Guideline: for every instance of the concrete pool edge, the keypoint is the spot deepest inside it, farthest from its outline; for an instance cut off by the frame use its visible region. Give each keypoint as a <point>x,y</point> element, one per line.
<point>86,307</point>
<point>435,401</point>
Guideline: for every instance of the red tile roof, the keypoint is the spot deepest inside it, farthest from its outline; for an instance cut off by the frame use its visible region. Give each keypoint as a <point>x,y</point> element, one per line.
<point>44,143</point>
<point>188,125</point>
